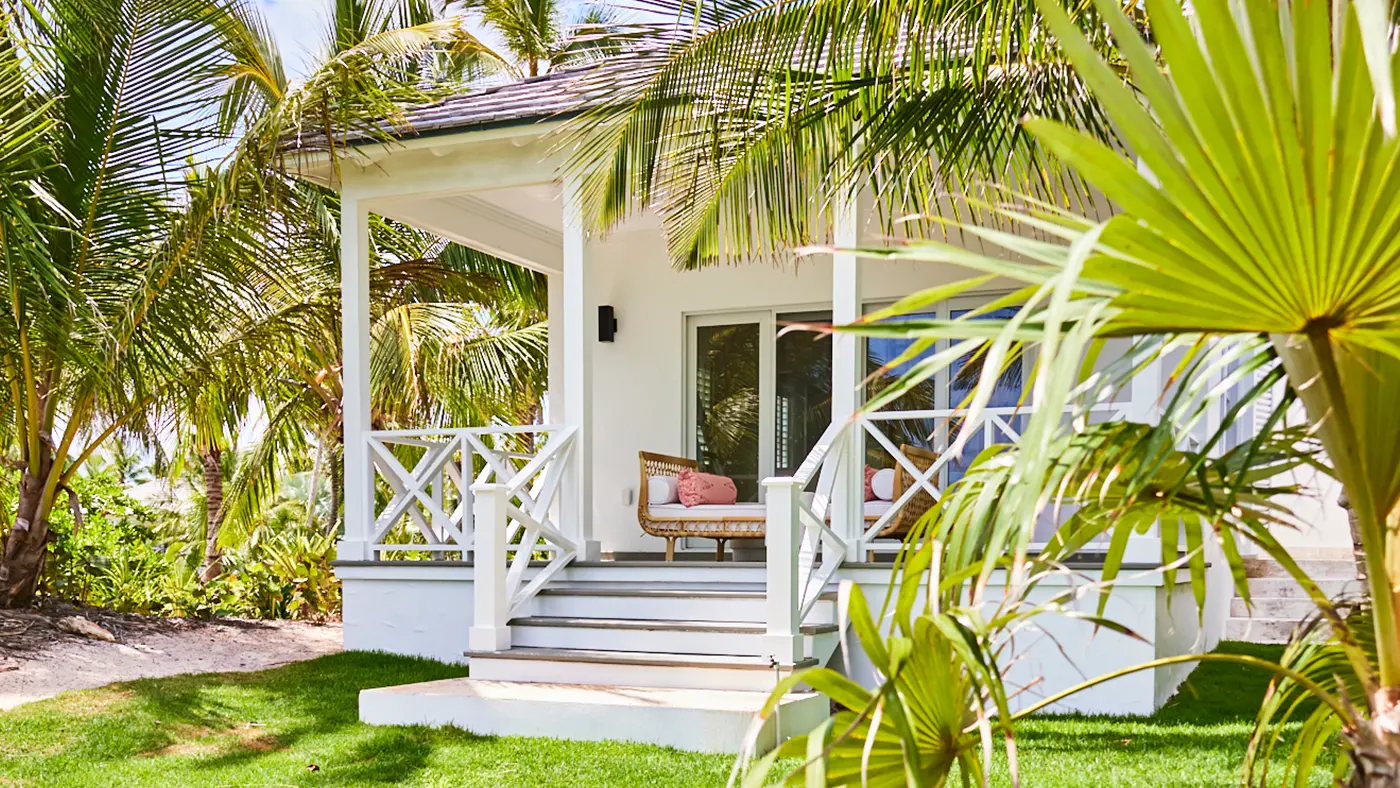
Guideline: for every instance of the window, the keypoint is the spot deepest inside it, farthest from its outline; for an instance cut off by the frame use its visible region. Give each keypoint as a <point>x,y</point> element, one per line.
<point>949,389</point>
<point>759,399</point>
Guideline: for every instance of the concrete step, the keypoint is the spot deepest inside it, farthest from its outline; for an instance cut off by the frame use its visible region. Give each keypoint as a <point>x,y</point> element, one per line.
<point>1316,568</point>
<point>631,668</point>
<point>1288,588</point>
<point>697,720</point>
<point>1287,608</point>
<point>743,638</point>
<point>667,604</point>
<point>1259,630</point>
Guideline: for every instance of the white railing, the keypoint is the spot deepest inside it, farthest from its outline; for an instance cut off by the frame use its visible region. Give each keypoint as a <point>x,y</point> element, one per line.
<point>514,526</point>
<point>431,474</point>
<point>808,538</point>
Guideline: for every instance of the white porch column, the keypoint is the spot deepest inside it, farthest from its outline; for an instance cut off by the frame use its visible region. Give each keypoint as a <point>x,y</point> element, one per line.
<point>554,404</point>
<point>782,640</point>
<point>1145,391</point>
<point>354,313</point>
<point>847,371</point>
<point>576,385</point>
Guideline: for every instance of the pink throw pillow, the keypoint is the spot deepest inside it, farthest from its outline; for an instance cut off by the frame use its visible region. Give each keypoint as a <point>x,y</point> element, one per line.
<point>869,478</point>
<point>706,488</point>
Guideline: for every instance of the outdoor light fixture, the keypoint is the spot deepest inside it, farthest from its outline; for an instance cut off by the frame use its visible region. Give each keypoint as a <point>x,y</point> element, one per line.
<point>607,323</point>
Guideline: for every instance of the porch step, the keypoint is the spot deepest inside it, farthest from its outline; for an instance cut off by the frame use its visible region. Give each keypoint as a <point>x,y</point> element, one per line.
<point>1288,588</point>
<point>657,636</point>
<point>666,604</point>
<point>631,668</point>
<point>1316,568</point>
<point>1260,630</point>
<point>697,720</point>
<point>1279,602</point>
<point>1288,608</point>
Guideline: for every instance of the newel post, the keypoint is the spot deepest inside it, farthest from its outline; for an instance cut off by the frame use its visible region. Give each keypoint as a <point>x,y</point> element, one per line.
<point>490,629</point>
<point>783,639</point>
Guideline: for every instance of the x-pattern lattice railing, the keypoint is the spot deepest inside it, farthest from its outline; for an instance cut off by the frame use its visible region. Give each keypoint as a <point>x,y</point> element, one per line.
<point>430,474</point>
<point>808,539</point>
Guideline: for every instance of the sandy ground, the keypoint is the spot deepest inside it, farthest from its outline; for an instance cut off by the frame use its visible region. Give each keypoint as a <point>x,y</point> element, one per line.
<point>221,646</point>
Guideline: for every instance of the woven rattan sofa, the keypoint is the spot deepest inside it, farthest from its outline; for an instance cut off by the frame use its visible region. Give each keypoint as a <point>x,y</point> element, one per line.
<point>748,520</point>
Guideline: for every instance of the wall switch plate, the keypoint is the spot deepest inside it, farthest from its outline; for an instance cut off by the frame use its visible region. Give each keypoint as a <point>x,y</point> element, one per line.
<point>626,496</point>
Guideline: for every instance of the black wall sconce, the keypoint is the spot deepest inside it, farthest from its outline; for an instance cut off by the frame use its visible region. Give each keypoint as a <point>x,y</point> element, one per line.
<point>607,324</point>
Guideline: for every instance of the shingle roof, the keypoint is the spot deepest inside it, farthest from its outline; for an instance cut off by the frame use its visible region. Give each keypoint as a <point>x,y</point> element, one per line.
<point>553,96</point>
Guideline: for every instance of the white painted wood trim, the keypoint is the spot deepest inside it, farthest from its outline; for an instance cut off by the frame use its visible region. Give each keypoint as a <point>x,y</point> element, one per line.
<point>490,629</point>
<point>578,334</point>
<point>783,640</point>
<point>355,328</point>
<point>847,372</point>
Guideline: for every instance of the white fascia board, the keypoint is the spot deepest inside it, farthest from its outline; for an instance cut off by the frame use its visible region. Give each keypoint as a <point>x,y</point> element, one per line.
<point>317,167</point>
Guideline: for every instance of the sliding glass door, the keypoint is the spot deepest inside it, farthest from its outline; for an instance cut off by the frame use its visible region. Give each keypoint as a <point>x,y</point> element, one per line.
<point>758,401</point>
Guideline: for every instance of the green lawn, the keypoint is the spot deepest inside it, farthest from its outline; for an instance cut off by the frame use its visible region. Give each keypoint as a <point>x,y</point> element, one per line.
<point>296,726</point>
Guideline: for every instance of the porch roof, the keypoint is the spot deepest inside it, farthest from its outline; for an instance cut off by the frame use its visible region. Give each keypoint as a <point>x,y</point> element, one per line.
<point>557,95</point>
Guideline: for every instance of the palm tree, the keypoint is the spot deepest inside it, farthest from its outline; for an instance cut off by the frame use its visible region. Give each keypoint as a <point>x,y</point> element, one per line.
<point>1258,234</point>
<point>126,279</point>
<point>540,36</point>
<point>740,123</point>
<point>458,338</point>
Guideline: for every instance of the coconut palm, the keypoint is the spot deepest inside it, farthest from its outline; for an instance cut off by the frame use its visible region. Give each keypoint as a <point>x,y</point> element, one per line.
<point>126,278</point>
<point>1257,236</point>
<point>740,122</point>
<point>541,36</point>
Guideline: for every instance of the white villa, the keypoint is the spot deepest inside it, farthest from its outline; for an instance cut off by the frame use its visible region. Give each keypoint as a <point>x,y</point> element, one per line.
<point>600,636</point>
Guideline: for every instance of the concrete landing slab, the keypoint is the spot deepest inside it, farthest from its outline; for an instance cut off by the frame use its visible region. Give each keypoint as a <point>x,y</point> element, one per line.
<point>714,721</point>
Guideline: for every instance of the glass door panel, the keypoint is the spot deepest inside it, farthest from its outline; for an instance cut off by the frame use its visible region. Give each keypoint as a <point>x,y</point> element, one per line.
<point>802,406</point>
<point>727,403</point>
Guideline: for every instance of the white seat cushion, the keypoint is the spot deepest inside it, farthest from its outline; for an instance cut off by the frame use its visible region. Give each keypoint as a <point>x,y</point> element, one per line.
<point>708,511</point>
<point>877,508</point>
<point>750,511</point>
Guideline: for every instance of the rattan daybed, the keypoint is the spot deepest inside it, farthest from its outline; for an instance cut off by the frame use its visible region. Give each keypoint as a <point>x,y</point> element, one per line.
<point>748,520</point>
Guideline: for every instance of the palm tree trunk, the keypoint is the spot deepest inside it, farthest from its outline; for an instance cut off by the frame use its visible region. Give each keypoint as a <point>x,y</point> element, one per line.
<point>213,503</point>
<point>26,545</point>
<point>314,486</point>
<point>336,476</point>
<point>1375,755</point>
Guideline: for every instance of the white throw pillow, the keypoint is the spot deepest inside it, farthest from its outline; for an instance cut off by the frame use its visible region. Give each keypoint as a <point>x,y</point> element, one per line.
<point>882,484</point>
<point>663,490</point>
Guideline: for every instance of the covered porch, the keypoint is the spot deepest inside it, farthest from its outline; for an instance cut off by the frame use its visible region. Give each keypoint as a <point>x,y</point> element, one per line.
<point>521,547</point>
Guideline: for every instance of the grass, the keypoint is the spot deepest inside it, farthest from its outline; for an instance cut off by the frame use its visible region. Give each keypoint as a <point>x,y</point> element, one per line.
<point>296,726</point>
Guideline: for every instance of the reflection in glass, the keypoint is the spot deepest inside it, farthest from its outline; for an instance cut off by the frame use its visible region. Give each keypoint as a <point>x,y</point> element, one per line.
<point>957,384</point>
<point>803,404</point>
<point>727,405</point>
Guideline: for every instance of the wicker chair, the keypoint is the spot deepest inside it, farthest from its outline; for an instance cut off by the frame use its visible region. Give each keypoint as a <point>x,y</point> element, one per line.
<point>722,528</point>
<point>921,502</point>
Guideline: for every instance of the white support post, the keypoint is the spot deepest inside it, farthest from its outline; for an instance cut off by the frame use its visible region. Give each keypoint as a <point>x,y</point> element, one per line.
<point>355,323</point>
<point>783,641</point>
<point>579,334</point>
<point>1145,392</point>
<point>847,371</point>
<point>554,404</point>
<point>490,630</point>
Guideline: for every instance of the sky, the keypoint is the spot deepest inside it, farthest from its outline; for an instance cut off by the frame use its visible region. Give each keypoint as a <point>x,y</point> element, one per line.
<point>297,26</point>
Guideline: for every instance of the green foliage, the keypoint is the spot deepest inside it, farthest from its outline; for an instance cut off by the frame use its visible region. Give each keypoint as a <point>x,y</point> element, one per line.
<point>131,558</point>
